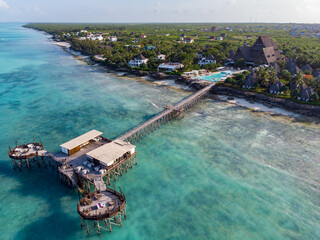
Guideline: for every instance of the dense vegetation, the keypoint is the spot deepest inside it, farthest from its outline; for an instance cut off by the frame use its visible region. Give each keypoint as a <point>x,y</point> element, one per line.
<point>297,41</point>
<point>267,77</point>
<point>303,46</point>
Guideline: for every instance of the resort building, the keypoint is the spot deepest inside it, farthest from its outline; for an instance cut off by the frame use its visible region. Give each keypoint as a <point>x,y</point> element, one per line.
<point>292,67</point>
<point>213,28</point>
<point>276,88</point>
<point>77,143</point>
<point>143,36</point>
<point>250,81</point>
<point>138,61</point>
<point>161,56</point>
<point>300,86</point>
<point>114,39</point>
<point>97,37</point>
<point>188,40</point>
<point>306,68</point>
<point>110,153</point>
<point>170,66</point>
<point>276,68</point>
<point>207,60</point>
<point>263,51</point>
<point>219,38</point>
<point>195,73</point>
<point>306,94</point>
<point>231,56</point>
<point>91,155</point>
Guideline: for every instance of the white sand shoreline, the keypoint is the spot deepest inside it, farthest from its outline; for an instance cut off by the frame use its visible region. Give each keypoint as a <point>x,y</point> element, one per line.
<point>258,107</point>
<point>62,44</point>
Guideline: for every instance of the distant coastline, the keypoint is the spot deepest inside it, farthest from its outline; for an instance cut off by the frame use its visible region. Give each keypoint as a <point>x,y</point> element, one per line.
<point>303,110</point>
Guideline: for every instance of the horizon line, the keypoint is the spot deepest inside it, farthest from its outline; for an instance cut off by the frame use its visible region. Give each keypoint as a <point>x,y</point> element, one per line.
<point>73,22</point>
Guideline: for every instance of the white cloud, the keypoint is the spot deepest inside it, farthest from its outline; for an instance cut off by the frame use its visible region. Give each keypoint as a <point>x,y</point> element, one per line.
<point>36,9</point>
<point>3,4</point>
<point>231,2</point>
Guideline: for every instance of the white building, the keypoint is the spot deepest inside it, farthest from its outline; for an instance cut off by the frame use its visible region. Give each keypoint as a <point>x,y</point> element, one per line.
<point>97,37</point>
<point>99,57</point>
<point>138,61</point>
<point>195,73</point>
<point>170,66</point>
<point>92,37</point>
<point>113,38</point>
<point>188,40</point>
<point>110,153</point>
<point>207,60</point>
<point>76,144</point>
<point>160,56</point>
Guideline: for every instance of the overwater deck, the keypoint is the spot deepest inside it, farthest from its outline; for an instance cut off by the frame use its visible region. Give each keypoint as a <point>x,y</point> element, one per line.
<point>79,157</point>
<point>91,161</point>
<point>101,205</point>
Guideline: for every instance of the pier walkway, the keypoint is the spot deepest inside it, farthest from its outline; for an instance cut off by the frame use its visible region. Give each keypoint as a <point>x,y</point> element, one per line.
<point>90,162</point>
<point>163,117</point>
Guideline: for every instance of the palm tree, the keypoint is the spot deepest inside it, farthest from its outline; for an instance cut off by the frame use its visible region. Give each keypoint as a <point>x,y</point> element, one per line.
<point>299,78</point>
<point>272,76</point>
<point>262,76</point>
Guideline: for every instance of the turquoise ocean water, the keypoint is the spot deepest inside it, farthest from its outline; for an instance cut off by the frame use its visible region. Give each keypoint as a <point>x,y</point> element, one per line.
<point>222,172</point>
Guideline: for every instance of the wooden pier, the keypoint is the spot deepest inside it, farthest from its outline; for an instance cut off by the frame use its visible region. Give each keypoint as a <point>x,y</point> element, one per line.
<point>29,155</point>
<point>104,207</point>
<point>90,162</point>
<point>170,112</point>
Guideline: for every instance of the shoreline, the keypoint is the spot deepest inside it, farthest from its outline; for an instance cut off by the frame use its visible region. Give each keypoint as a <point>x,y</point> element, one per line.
<point>180,84</point>
<point>257,107</point>
<point>306,110</point>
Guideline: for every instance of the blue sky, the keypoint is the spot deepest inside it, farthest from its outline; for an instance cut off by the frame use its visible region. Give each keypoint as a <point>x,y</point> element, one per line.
<point>160,10</point>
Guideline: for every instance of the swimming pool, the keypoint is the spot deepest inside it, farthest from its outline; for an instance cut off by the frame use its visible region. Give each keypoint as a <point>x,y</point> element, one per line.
<point>215,77</point>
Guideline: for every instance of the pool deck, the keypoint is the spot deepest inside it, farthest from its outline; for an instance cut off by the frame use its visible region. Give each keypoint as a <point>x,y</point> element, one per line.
<point>219,78</point>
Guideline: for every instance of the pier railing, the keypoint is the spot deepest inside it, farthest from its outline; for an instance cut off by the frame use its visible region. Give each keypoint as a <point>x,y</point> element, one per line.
<point>170,112</point>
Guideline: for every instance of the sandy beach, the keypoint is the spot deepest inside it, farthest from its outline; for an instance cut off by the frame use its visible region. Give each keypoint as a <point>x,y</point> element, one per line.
<point>258,107</point>
<point>63,44</point>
